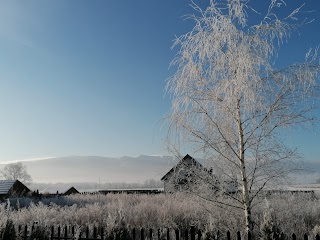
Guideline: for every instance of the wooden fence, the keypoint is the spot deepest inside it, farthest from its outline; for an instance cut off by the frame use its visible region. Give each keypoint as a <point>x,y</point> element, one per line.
<point>66,233</point>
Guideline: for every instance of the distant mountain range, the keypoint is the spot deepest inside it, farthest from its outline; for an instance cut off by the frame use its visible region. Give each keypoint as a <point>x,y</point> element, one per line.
<point>125,169</point>
<point>96,168</point>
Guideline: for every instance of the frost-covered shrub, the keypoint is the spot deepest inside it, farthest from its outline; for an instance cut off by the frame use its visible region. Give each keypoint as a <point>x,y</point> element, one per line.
<point>120,213</point>
<point>298,213</point>
<point>269,228</point>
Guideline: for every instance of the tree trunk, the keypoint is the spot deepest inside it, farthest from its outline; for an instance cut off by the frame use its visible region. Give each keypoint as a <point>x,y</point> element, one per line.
<point>245,190</point>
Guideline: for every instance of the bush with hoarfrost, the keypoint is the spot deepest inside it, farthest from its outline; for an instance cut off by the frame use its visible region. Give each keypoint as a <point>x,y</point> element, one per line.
<point>119,213</point>
<point>269,228</point>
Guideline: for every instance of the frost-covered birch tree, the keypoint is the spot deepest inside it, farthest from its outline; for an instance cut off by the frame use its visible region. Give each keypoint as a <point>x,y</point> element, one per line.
<point>231,103</point>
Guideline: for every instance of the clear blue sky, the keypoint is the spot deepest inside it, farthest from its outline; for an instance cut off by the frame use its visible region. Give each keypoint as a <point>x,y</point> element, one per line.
<point>88,77</point>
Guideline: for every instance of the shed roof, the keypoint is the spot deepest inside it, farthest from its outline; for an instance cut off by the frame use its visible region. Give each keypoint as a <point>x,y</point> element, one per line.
<point>6,185</point>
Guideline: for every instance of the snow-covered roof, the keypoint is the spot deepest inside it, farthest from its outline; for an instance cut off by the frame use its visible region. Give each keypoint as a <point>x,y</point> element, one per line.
<point>186,161</point>
<point>56,188</point>
<point>6,185</point>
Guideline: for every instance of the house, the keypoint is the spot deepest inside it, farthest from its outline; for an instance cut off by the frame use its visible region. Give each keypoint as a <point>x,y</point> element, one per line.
<point>188,175</point>
<point>59,190</point>
<point>12,188</point>
<point>70,191</point>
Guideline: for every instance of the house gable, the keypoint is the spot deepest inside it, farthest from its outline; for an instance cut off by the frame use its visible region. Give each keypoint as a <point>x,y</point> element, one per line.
<point>186,175</point>
<point>71,190</point>
<point>187,161</point>
<point>12,188</point>
<point>58,189</point>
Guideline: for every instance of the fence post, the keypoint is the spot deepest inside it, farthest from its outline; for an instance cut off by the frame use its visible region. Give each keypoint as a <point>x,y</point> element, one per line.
<point>186,234</point>
<point>65,232</point>
<point>249,235</point>
<point>87,232</point>
<point>305,236</point>
<point>218,235</point>
<point>294,237</point>
<point>199,235</point>
<point>150,233</point>
<point>52,232</point>
<point>168,234</point>
<point>59,231</point>
<point>159,235</point>
<point>142,234</point>
<point>134,234</point>
<point>25,232</point>
<point>95,232</point>
<point>317,237</point>
<point>238,235</point>
<point>102,233</point>
<point>228,235</point>
<point>19,230</point>
<point>177,234</point>
<point>193,233</point>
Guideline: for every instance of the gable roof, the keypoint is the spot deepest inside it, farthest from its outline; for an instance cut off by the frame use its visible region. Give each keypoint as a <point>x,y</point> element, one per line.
<point>187,160</point>
<point>61,189</point>
<point>6,185</point>
<point>71,190</point>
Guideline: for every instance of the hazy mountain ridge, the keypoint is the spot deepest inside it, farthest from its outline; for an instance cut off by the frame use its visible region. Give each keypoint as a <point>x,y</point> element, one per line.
<point>96,169</point>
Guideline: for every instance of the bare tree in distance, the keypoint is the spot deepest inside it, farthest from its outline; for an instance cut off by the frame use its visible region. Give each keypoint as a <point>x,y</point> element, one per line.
<point>230,103</point>
<point>16,171</point>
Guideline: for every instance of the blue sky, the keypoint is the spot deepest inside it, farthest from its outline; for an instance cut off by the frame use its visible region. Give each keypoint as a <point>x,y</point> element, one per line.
<point>88,77</point>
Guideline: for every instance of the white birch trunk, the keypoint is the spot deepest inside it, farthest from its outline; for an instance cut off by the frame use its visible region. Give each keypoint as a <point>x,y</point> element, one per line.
<point>245,189</point>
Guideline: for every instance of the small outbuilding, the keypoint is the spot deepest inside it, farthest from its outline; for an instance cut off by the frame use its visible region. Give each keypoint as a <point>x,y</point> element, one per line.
<point>12,188</point>
<point>60,190</point>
